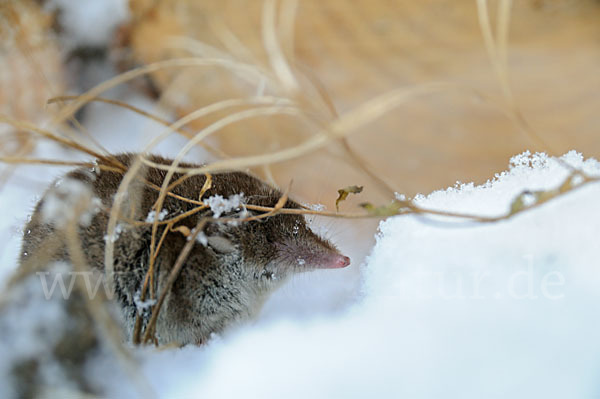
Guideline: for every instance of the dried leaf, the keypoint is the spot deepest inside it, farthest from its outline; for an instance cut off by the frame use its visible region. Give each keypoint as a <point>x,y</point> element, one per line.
<point>183,230</point>
<point>522,201</point>
<point>528,199</point>
<point>393,208</point>
<point>207,185</point>
<point>572,181</point>
<point>343,194</point>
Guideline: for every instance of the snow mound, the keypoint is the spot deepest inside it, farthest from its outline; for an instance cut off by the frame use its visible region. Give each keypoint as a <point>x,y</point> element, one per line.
<point>449,309</point>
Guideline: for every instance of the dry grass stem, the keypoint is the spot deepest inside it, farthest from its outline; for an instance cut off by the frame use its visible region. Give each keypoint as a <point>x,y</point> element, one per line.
<point>70,109</point>
<point>27,126</point>
<point>148,280</point>
<point>166,288</point>
<point>277,59</point>
<point>497,49</point>
<point>215,151</point>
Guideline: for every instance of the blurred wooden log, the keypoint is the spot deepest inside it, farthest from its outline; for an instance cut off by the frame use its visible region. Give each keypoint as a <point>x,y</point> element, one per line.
<point>363,48</point>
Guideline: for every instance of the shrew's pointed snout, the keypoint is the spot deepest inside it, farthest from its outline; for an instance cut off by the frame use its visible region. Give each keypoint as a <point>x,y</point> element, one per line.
<point>312,254</point>
<point>336,262</point>
<point>341,261</point>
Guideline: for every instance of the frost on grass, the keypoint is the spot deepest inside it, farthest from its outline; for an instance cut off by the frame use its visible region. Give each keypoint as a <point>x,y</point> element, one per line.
<point>66,197</point>
<point>115,235</point>
<point>152,216</point>
<point>140,305</point>
<point>315,207</point>
<point>219,205</point>
<point>202,238</point>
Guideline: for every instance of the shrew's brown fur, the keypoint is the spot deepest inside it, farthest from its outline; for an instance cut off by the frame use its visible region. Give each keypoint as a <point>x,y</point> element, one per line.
<point>221,283</point>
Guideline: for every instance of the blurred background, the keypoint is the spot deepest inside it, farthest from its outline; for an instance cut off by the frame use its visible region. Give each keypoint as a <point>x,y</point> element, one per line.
<point>343,54</point>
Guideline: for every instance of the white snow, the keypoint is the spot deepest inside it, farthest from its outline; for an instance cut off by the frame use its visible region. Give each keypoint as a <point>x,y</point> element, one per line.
<point>219,205</point>
<point>89,22</point>
<point>202,238</point>
<point>152,215</point>
<point>115,236</point>
<point>315,207</point>
<point>141,305</point>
